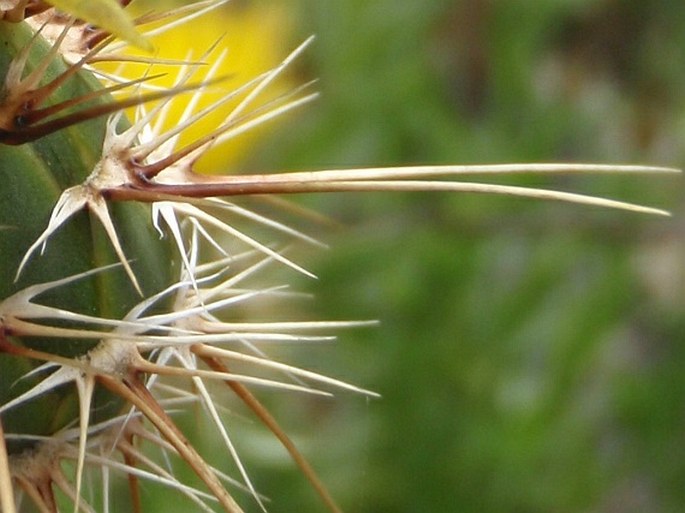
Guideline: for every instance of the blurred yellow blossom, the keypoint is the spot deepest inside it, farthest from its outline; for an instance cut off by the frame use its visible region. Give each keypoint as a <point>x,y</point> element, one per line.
<point>256,36</point>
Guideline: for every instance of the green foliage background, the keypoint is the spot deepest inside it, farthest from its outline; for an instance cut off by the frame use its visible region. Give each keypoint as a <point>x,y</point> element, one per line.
<point>530,355</point>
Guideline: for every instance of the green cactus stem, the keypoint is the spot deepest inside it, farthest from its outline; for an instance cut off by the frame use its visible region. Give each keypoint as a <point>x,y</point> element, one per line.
<point>33,175</point>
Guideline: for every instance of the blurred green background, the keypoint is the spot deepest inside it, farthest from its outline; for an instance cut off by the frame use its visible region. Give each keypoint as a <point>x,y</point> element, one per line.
<point>531,355</point>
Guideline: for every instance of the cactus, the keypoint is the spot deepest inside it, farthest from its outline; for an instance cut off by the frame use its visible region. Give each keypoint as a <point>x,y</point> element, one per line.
<point>118,261</point>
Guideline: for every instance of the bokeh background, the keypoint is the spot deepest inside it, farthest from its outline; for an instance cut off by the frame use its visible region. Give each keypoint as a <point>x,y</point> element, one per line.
<point>531,355</point>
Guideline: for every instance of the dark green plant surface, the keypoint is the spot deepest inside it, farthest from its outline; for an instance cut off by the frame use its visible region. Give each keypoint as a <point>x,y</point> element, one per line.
<point>32,176</point>
<point>530,355</point>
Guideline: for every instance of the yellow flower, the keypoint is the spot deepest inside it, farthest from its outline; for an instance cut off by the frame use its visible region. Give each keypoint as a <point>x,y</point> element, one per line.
<point>253,35</point>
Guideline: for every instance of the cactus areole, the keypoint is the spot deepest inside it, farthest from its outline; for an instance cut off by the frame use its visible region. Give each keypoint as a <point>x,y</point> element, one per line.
<point>32,177</point>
